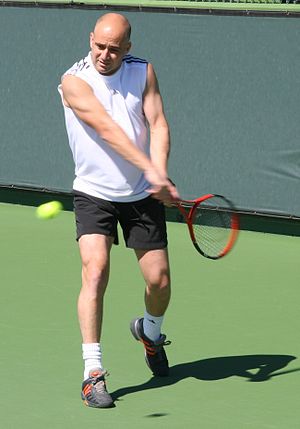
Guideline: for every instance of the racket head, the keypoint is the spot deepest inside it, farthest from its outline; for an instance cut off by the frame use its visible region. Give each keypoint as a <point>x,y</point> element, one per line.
<point>213,224</point>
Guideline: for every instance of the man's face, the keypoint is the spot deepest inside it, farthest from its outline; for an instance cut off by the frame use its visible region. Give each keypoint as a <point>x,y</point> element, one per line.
<point>108,47</point>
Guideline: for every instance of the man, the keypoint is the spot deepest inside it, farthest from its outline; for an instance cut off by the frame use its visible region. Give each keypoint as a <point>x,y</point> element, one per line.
<point>110,99</point>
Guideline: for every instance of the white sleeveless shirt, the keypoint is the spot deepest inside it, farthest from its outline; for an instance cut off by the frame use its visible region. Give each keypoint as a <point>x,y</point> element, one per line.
<point>99,170</point>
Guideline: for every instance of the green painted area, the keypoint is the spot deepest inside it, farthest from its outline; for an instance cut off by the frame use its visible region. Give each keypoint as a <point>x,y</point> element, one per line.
<point>251,5</point>
<point>226,319</point>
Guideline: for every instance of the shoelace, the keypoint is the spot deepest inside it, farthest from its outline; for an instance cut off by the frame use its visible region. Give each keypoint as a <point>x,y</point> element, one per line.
<point>99,382</point>
<point>100,386</point>
<point>153,348</point>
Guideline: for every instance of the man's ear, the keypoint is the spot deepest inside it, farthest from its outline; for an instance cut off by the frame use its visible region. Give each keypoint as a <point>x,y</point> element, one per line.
<point>128,47</point>
<point>91,39</point>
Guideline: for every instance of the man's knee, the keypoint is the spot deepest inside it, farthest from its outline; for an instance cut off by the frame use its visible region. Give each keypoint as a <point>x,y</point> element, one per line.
<point>95,277</point>
<point>159,281</point>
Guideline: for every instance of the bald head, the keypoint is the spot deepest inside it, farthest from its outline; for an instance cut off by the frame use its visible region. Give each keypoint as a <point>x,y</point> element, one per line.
<point>116,22</point>
<point>110,42</point>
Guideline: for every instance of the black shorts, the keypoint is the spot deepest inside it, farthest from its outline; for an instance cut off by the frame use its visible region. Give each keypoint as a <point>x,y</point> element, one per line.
<point>143,222</point>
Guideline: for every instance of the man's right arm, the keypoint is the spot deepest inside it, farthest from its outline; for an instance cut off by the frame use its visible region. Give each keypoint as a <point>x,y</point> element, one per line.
<point>79,96</point>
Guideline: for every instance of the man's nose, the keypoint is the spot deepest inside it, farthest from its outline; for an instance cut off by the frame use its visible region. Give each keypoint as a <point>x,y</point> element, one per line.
<point>105,54</point>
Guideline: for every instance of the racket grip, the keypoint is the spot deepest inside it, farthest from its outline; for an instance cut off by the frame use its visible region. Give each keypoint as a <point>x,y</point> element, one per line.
<point>170,180</point>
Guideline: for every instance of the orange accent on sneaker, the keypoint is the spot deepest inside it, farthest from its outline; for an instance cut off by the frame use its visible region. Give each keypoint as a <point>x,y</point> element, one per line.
<point>150,350</point>
<point>87,389</point>
<point>95,374</point>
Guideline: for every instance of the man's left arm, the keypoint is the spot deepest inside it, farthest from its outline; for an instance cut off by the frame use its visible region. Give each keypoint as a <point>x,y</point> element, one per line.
<point>158,126</point>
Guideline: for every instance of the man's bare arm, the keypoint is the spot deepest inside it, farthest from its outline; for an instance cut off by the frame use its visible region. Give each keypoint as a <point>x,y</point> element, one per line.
<point>159,129</point>
<point>79,96</point>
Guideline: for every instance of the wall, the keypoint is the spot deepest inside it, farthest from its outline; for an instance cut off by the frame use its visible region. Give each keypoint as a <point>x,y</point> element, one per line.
<point>231,87</point>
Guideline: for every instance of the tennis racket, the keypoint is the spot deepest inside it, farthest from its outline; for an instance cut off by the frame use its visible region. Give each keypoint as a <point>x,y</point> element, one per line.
<point>213,224</point>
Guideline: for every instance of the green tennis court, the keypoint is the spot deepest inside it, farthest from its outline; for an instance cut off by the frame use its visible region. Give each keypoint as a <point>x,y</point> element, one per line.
<point>233,324</point>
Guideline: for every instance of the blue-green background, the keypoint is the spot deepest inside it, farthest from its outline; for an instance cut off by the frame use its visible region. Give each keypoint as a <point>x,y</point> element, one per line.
<point>231,86</point>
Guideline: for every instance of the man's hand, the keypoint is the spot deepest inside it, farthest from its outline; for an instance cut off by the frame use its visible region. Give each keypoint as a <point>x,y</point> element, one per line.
<point>161,187</point>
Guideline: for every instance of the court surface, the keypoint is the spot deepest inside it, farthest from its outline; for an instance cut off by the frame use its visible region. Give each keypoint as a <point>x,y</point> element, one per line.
<point>234,326</point>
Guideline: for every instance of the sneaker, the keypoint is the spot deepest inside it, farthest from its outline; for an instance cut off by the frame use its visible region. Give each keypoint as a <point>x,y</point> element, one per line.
<point>155,355</point>
<point>94,393</point>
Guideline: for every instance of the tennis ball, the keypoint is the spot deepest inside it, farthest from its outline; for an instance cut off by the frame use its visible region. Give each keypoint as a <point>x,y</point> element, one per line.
<point>49,210</point>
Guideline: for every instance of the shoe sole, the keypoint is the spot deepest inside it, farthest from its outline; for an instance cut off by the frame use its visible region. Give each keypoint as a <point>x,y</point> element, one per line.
<point>91,405</point>
<point>134,328</point>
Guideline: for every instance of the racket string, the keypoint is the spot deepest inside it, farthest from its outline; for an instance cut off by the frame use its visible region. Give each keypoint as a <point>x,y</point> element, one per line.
<point>212,230</point>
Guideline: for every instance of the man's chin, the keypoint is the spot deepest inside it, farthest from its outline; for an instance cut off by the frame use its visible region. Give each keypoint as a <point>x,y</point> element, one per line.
<point>105,72</point>
<point>102,68</point>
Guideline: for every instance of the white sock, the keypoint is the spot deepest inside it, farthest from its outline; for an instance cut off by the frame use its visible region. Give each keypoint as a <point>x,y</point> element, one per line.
<point>91,354</point>
<point>152,326</point>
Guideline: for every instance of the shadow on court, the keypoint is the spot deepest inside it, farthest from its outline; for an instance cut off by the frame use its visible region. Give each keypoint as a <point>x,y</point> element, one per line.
<point>254,368</point>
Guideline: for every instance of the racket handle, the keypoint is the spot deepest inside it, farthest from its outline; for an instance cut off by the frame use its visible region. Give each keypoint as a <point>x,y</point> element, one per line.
<point>170,180</point>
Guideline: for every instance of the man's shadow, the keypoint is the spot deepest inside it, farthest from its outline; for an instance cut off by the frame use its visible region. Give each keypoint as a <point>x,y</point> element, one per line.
<point>254,368</point>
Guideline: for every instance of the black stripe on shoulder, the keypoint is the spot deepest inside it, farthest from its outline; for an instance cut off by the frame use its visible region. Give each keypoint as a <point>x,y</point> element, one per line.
<point>130,59</point>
